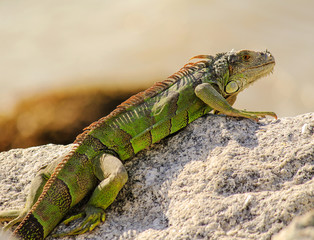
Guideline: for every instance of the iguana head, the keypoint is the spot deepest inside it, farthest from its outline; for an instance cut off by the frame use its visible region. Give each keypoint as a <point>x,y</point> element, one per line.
<point>245,67</point>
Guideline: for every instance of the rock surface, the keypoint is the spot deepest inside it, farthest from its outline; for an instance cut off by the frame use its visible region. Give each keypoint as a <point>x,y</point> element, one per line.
<point>220,178</point>
<point>301,228</point>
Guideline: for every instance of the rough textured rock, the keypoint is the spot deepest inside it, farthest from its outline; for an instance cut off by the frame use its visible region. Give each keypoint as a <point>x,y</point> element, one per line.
<point>219,178</point>
<point>301,228</point>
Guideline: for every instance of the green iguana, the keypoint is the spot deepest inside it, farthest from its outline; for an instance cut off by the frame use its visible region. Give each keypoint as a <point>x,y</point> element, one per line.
<point>93,167</point>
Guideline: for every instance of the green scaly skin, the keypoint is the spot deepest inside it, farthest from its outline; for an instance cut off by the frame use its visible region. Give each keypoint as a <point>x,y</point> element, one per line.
<point>94,165</point>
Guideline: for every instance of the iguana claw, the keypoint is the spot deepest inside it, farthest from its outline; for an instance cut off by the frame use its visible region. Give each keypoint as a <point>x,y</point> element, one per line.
<point>93,216</point>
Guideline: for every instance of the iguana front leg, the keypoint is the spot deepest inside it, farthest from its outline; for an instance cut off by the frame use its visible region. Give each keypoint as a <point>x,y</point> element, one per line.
<point>231,100</point>
<point>208,94</point>
<point>112,174</point>
<point>36,188</point>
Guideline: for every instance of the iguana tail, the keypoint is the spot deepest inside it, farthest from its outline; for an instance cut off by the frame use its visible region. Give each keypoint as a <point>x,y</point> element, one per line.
<point>58,196</point>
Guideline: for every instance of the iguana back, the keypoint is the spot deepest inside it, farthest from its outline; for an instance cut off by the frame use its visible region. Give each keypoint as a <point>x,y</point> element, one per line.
<point>153,114</point>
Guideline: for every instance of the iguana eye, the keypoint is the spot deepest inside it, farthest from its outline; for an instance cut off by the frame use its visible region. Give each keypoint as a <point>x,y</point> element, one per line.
<point>232,87</point>
<point>246,57</point>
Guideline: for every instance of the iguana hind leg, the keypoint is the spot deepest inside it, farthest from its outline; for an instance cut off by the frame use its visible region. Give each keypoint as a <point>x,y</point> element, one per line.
<point>36,188</point>
<point>112,174</point>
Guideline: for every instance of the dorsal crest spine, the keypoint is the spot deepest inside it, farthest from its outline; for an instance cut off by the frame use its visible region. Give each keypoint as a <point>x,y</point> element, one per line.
<point>140,97</point>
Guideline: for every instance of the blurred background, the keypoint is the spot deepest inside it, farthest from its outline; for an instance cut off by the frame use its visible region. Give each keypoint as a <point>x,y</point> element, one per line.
<point>120,47</point>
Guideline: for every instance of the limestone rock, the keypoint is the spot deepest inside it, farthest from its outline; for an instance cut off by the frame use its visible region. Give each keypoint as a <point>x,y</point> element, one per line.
<point>219,178</point>
<point>301,228</point>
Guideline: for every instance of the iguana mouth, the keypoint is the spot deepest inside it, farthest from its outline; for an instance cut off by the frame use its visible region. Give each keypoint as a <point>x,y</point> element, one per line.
<point>258,66</point>
<point>262,65</point>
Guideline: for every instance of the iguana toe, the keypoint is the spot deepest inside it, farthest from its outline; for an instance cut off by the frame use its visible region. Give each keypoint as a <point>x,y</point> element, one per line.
<point>93,216</point>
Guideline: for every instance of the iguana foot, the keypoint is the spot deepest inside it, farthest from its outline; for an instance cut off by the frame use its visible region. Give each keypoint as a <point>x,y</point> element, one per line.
<point>9,215</point>
<point>14,216</point>
<point>256,115</point>
<point>93,216</point>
